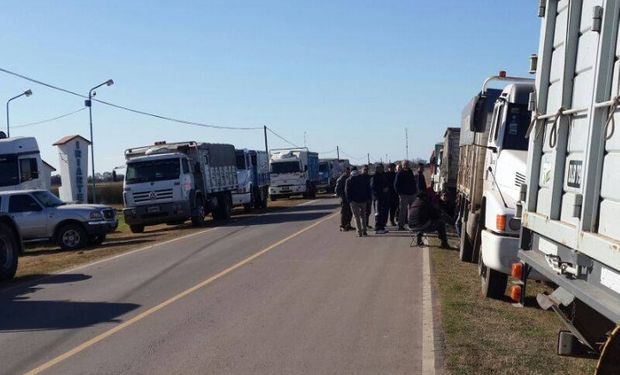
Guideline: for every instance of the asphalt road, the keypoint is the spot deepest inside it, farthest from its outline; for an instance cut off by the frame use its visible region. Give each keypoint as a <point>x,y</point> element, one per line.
<point>283,293</point>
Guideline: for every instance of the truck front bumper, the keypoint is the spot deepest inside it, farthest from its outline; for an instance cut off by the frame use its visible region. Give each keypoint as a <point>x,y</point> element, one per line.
<point>500,252</point>
<point>99,228</point>
<point>286,190</point>
<point>157,213</point>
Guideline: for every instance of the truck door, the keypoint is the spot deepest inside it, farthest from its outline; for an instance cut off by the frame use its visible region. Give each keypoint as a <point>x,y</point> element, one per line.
<point>29,215</point>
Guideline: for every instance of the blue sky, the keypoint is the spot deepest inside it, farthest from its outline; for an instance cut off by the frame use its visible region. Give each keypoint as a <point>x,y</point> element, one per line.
<point>347,73</point>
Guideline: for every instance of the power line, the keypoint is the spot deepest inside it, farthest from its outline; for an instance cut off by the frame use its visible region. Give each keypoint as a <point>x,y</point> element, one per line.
<point>282,138</point>
<point>144,113</point>
<point>48,120</point>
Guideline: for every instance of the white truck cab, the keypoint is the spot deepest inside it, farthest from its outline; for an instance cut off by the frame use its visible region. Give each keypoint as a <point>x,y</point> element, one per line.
<point>20,164</point>
<point>253,179</point>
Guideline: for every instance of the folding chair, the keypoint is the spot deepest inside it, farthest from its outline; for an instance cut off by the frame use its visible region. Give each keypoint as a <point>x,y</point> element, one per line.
<point>419,230</point>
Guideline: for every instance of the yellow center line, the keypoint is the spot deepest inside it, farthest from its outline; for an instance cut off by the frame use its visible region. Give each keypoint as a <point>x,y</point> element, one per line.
<point>152,310</point>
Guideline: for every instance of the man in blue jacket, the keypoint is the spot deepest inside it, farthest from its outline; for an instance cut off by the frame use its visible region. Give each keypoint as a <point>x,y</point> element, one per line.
<point>358,193</point>
<point>405,185</point>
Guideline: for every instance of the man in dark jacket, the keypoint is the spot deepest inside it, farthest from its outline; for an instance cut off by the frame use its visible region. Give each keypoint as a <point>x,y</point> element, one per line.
<point>424,217</point>
<point>405,185</point>
<point>420,180</point>
<point>357,190</point>
<point>345,208</point>
<point>393,196</point>
<point>366,175</point>
<point>381,193</point>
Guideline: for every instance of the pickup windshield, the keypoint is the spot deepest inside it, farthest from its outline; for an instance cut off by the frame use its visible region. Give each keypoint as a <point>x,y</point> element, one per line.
<point>48,199</point>
<point>285,167</point>
<point>517,122</point>
<point>153,170</point>
<point>9,174</point>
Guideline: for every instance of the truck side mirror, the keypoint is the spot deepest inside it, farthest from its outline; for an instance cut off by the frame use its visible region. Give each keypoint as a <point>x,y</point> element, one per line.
<point>477,116</point>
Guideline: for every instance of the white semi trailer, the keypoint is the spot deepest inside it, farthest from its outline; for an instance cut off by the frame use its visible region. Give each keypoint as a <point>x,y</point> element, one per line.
<point>571,199</point>
<point>493,151</point>
<point>173,182</point>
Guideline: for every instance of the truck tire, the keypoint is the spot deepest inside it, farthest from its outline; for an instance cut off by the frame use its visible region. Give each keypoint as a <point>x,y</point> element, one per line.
<point>9,249</point>
<point>199,219</point>
<point>96,240</point>
<point>224,208</point>
<point>137,228</point>
<point>493,283</point>
<point>273,198</point>
<point>609,362</point>
<point>264,197</point>
<point>71,237</point>
<point>465,247</point>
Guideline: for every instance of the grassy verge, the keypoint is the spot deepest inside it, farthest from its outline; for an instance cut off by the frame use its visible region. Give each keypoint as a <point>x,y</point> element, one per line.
<point>48,258</point>
<point>484,336</point>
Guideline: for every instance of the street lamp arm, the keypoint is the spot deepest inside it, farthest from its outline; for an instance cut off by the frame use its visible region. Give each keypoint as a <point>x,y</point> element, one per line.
<point>109,82</point>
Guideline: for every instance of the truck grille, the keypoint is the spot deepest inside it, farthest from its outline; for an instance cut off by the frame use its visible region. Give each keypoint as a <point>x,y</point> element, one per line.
<point>519,179</point>
<point>151,196</point>
<point>109,213</point>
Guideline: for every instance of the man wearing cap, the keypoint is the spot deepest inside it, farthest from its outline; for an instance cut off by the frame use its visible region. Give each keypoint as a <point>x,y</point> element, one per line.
<point>357,190</point>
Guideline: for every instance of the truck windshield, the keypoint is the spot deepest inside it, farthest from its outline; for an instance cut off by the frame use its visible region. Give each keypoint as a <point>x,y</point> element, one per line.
<point>9,173</point>
<point>48,199</point>
<point>153,170</point>
<point>323,167</point>
<point>517,122</point>
<point>285,167</point>
<point>240,157</point>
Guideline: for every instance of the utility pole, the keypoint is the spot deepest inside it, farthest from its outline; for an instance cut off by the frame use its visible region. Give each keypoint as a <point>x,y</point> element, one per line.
<point>265,134</point>
<point>406,144</point>
<point>368,155</point>
<point>305,140</point>
<point>338,152</point>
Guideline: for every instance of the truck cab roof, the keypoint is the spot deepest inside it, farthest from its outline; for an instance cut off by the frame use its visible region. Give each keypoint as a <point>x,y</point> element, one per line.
<point>151,157</point>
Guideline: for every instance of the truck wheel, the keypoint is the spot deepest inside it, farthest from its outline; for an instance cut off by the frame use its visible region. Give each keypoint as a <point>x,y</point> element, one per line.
<point>9,249</point>
<point>199,219</point>
<point>493,283</point>
<point>273,198</point>
<point>224,208</point>
<point>465,247</point>
<point>263,198</point>
<point>609,362</point>
<point>136,228</point>
<point>96,240</point>
<point>71,237</point>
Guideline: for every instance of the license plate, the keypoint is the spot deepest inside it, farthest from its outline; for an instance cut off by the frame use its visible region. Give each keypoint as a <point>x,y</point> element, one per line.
<point>152,209</point>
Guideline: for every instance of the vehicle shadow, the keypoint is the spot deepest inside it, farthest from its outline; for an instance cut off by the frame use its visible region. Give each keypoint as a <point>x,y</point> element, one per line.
<point>19,312</point>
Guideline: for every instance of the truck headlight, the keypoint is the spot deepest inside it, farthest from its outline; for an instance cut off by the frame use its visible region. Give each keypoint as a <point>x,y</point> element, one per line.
<point>96,215</point>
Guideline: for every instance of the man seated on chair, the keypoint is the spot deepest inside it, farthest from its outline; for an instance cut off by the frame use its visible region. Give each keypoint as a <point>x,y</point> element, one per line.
<point>424,217</point>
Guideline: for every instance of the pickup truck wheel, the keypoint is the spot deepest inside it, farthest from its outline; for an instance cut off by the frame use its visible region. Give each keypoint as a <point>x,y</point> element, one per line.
<point>137,228</point>
<point>199,219</point>
<point>9,249</point>
<point>493,283</point>
<point>72,237</point>
<point>96,240</point>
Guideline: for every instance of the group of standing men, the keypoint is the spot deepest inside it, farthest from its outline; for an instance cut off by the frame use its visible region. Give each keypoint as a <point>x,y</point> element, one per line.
<point>393,192</point>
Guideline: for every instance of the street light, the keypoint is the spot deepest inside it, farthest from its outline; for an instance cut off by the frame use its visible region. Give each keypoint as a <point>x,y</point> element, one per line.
<point>88,103</point>
<point>8,126</point>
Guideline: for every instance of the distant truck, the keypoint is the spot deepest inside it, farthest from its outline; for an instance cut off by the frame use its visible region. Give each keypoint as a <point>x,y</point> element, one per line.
<point>435,167</point>
<point>253,179</point>
<point>173,182</point>
<point>10,247</point>
<point>294,171</point>
<point>329,171</point>
<point>571,195</point>
<point>493,151</point>
<point>21,166</point>
<point>449,171</point>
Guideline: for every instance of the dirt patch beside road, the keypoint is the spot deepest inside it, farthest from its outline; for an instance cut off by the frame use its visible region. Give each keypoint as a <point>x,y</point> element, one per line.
<point>46,259</point>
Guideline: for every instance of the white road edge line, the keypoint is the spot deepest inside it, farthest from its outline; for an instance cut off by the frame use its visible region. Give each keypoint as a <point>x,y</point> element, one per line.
<point>428,326</point>
<point>141,249</point>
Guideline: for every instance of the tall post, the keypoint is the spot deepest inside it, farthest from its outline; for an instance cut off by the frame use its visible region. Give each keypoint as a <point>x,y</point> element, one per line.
<point>92,146</point>
<point>265,134</point>
<point>406,144</point>
<point>8,127</point>
<point>338,152</point>
<point>368,155</point>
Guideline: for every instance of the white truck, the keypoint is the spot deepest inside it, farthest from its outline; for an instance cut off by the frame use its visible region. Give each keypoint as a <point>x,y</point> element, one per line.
<point>571,200</point>
<point>493,151</point>
<point>294,171</point>
<point>253,179</point>
<point>329,171</point>
<point>173,182</point>
<point>20,164</point>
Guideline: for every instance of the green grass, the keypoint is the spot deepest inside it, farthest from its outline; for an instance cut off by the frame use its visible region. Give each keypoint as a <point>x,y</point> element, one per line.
<point>484,336</point>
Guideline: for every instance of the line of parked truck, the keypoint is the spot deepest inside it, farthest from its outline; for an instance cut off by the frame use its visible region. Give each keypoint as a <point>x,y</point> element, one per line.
<point>538,172</point>
<point>165,183</point>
